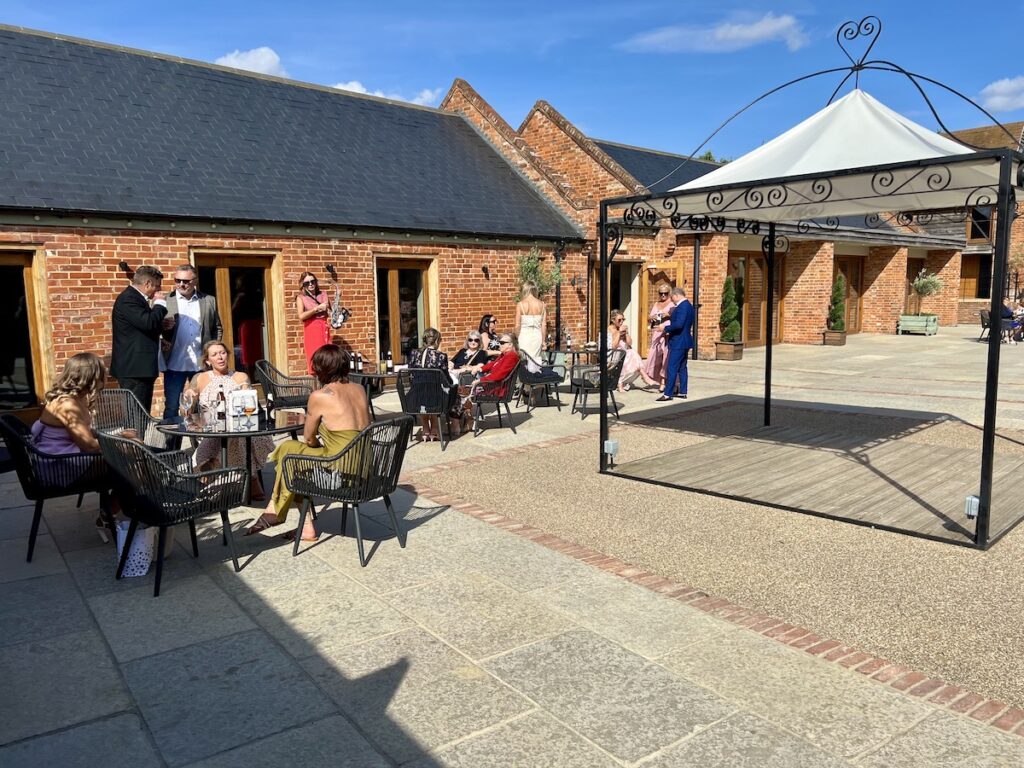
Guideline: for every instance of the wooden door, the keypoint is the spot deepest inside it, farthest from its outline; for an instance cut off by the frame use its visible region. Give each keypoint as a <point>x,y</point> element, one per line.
<point>21,374</point>
<point>750,279</point>
<point>403,306</point>
<point>852,269</point>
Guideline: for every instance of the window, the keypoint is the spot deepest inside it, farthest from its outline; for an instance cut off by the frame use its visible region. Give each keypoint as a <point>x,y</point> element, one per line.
<point>975,276</point>
<point>980,225</point>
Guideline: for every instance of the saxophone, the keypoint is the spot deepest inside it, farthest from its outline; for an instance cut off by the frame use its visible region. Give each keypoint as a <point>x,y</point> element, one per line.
<point>339,314</point>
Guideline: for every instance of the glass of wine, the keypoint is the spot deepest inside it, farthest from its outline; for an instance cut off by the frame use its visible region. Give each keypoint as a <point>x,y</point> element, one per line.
<point>249,408</point>
<point>186,402</point>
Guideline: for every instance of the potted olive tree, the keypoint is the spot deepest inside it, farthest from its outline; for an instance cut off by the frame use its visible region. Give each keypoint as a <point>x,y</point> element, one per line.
<point>925,284</point>
<point>730,344</point>
<point>835,332</point>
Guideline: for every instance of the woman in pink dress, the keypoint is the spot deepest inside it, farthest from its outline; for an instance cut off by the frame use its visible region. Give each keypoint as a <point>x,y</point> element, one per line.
<point>657,357</point>
<point>314,309</point>
<point>632,366</point>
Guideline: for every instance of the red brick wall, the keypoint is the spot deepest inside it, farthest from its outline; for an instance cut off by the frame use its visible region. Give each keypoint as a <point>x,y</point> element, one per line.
<point>82,281</point>
<point>885,278</point>
<point>714,261</point>
<point>807,287</point>
<point>945,264</point>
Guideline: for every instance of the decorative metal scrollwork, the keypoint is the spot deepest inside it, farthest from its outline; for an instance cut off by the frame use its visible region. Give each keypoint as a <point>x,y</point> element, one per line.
<point>873,221</point>
<point>828,224</point>
<point>639,215</point>
<point>781,244</point>
<point>613,235</point>
<point>821,190</point>
<point>757,197</point>
<point>869,26</point>
<point>904,218</point>
<point>745,227</point>
<point>981,196</point>
<point>881,182</point>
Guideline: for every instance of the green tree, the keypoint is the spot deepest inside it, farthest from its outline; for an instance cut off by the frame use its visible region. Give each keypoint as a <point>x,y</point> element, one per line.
<point>837,305</point>
<point>531,269</point>
<point>727,321</point>
<point>925,284</point>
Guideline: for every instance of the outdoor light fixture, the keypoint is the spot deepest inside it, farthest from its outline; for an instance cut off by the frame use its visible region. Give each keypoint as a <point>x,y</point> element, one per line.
<point>123,266</point>
<point>652,266</point>
<point>576,280</point>
<point>486,270</point>
<point>611,447</point>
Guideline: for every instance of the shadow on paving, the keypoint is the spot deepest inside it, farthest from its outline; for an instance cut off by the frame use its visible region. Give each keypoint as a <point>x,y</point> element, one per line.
<point>287,662</point>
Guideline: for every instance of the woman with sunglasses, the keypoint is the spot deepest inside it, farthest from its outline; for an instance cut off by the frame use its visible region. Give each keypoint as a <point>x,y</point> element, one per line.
<point>657,356</point>
<point>314,310</point>
<point>489,336</point>
<point>632,366</point>
<point>461,367</point>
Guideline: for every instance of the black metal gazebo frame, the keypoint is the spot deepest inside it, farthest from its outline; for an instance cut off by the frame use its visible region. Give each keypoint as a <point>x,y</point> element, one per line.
<point>919,190</point>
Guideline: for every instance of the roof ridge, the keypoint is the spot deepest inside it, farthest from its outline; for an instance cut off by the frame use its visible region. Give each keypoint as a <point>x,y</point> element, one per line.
<point>217,67</point>
<point>654,151</point>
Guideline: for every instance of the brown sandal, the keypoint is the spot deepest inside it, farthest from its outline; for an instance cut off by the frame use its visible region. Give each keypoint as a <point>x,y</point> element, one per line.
<point>263,522</point>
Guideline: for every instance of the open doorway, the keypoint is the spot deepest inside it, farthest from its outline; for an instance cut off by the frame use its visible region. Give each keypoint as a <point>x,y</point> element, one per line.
<point>403,306</point>
<point>18,377</point>
<point>624,294</point>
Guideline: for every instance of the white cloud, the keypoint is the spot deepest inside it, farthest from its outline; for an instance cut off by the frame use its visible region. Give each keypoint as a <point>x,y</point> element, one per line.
<point>263,59</point>
<point>426,97</point>
<point>1004,95</point>
<point>719,38</point>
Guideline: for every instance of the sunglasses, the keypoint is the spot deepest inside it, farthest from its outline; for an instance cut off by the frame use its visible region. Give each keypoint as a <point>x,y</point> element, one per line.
<point>663,293</point>
<point>309,282</point>
<point>506,341</point>
<point>186,281</point>
<point>471,339</point>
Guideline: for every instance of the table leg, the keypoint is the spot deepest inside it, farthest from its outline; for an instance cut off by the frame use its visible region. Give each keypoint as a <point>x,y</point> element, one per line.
<point>248,470</point>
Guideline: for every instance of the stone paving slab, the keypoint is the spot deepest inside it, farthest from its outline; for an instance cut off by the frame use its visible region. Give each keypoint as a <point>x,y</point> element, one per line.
<point>532,741</point>
<point>478,616</point>
<point>615,698</point>
<point>828,706</point>
<point>37,609</point>
<point>216,695</point>
<point>16,522</point>
<point>189,610</point>
<point>118,742</point>
<point>310,616</point>
<point>410,692</point>
<point>93,571</point>
<point>46,559</point>
<point>329,742</point>
<point>945,740</point>
<point>57,682</point>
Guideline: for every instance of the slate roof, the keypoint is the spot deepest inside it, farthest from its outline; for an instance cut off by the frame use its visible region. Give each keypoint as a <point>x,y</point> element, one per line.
<point>658,171</point>
<point>86,127</point>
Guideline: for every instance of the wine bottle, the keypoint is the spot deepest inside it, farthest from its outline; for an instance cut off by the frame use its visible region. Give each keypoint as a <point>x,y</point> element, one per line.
<point>222,411</point>
<point>359,363</point>
<point>390,363</point>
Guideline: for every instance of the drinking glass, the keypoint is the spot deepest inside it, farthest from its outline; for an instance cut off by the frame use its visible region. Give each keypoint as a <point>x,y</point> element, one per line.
<point>186,402</point>
<point>249,409</point>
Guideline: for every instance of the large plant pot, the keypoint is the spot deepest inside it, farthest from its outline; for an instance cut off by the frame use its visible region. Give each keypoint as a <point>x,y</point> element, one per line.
<point>926,324</point>
<point>834,338</point>
<point>728,350</point>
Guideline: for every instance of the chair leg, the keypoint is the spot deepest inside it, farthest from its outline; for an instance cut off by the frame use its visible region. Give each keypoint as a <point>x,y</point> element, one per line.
<point>129,537</point>
<point>302,522</point>
<point>161,540</point>
<point>583,405</point>
<point>497,408</point>
<point>108,518</point>
<point>359,537</point>
<point>195,538</point>
<point>229,539</point>
<point>78,504</point>
<point>510,422</point>
<point>344,518</point>
<point>394,521</point>
<point>312,508</point>
<point>558,399</point>
<point>575,399</point>
<point>442,419</point>
<point>36,517</point>
<point>615,405</point>
<point>478,415</point>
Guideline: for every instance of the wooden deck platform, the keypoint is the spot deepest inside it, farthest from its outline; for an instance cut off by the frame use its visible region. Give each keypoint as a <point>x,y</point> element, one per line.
<point>904,485</point>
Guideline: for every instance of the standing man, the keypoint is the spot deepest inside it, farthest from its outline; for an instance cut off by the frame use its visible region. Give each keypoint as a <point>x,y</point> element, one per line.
<point>136,332</point>
<point>195,322</point>
<point>679,333</point>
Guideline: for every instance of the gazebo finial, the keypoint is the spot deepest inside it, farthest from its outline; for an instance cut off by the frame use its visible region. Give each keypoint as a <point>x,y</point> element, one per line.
<point>869,26</point>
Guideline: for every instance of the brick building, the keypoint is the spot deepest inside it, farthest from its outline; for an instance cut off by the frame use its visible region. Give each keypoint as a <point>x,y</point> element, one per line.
<point>112,158</point>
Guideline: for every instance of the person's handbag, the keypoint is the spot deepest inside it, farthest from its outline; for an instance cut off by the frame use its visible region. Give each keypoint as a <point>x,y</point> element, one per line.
<point>141,553</point>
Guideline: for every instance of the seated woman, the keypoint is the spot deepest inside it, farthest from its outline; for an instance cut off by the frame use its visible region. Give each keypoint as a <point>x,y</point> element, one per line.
<point>632,366</point>
<point>429,356</point>
<point>207,385</point>
<point>335,415</point>
<point>471,354</point>
<point>65,424</point>
<point>489,336</point>
<point>500,368</point>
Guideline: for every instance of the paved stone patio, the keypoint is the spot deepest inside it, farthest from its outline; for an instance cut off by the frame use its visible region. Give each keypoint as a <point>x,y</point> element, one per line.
<point>471,647</point>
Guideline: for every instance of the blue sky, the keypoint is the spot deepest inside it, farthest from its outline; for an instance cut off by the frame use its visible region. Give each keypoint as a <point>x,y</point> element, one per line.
<point>656,74</point>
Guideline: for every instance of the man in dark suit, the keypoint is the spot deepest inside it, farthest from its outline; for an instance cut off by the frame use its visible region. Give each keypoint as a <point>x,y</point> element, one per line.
<point>136,333</point>
<point>679,333</point>
<point>195,321</point>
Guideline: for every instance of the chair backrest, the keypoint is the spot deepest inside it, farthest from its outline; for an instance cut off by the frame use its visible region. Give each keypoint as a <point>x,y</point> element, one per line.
<point>138,476</point>
<point>46,475</point>
<point>424,390</point>
<point>985,316</point>
<point>118,409</point>
<point>382,453</point>
<point>616,358</point>
<point>266,374</point>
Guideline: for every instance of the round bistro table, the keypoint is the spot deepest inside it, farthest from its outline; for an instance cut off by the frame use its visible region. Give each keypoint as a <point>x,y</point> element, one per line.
<point>280,423</point>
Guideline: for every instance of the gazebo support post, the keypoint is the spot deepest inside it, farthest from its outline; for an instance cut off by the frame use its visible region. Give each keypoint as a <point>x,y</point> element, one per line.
<point>1004,218</point>
<point>696,292</point>
<point>769,253</point>
<point>601,323</point>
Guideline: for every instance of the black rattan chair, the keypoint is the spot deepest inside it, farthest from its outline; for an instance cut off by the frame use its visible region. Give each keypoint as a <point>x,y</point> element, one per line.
<point>366,469</point>
<point>547,377</point>
<point>53,476</point>
<point>118,409</point>
<point>984,316</point>
<point>499,392</point>
<point>283,391</point>
<point>159,489</point>
<point>427,392</point>
<point>585,379</point>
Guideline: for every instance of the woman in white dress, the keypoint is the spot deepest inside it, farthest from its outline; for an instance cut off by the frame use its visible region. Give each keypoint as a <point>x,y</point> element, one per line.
<point>531,318</point>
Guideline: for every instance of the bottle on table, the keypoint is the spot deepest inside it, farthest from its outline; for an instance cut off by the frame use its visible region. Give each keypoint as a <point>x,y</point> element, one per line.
<point>568,342</point>
<point>222,411</point>
<point>359,363</point>
<point>389,363</point>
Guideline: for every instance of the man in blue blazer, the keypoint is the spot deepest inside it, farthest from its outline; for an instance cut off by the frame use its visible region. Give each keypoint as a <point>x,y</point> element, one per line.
<point>679,333</point>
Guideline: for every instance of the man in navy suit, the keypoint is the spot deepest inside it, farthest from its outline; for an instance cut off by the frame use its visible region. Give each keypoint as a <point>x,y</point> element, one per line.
<point>136,333</point>
<point>679,333</point>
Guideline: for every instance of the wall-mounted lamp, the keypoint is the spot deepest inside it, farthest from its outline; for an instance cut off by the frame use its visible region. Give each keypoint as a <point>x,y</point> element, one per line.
<point>652,266</point>
<point>486,270</point>
<point>330,271</point>
<point>576,280</point>
<point>123,266</point>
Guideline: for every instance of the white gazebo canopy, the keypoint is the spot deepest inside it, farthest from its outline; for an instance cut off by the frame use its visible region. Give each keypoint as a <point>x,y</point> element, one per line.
<point>856,156</point>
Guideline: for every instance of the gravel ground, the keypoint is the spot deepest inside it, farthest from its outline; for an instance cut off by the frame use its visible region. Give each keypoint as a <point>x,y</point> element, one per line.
<point>948,611</point>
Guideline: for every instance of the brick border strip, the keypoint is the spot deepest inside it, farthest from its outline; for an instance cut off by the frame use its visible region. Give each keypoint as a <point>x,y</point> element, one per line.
<point>1009,719</point>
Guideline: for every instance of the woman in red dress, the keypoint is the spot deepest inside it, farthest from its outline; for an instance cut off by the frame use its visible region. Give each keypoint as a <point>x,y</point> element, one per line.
<point>314,309</point>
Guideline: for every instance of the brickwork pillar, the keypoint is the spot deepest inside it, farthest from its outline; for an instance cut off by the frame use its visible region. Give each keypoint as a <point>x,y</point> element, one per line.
<point>714,261</point>
<point>885,286</point>
<point>945,264</point>
<point>806,289</point>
